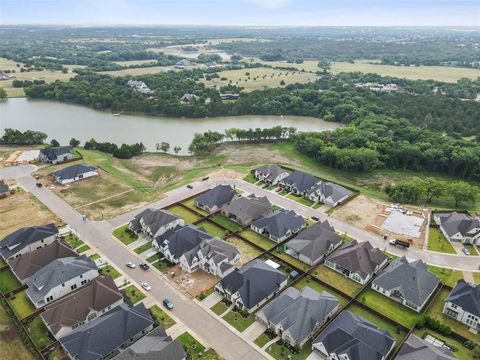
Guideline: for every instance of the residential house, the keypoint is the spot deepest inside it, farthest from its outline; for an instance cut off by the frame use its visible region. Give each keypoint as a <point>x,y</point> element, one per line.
<point>463,304</point>
<point>415,348</point>
<point>27,239</point>
<point>186,98</point>
<point>314,243</point>
<point>244,210</point>
<point>228,95</point>
<point>459,227</point>
<point>214,199</point>
<point>409,283</point>
<point>214,256</point>
<point>28,264</point>
<point>176,242</point>
<point>74,173</point>
<point>56,155</point>
<point>183,63</point>
<point>139,86</point>
<point>357,261</point>
<point>79,308</point>
<point>105,336</point>
<point>4,190</point>
<point>252,285</point>
<point>351,337</point>
<point>297,314</point>
<point>298,183</point>
<point>154,222</point>
<point>60,278</point>
<point>328,193</point>
<point>280,225</point>
<point>271,174</point>
<point>156,345</point>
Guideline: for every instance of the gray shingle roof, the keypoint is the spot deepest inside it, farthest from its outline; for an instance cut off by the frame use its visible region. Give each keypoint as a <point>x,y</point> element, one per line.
<point>453,223</point>
<point>3,187</point>
<point>315,240</point>
<point>415,348</point>
<point>412,280</point>
<point>466,296</point>
<point>249,208</point>
<point>155,219</point>
<point>301,180</point>
<point>213,248</point>
<point>356,337</point>
<point>218,196</point>
<point>52,153</point>
<point>73,171</point>
<point>16,241</point>
<point>156,345</point>
<point>330,190</point>
<point>280,222</point>
<point>254,282</point>
<point>361,258</point>
<point>300,311</point>
<point>108,332</point>
<point>56,273</point>
<point>182,239</point>
<point>271,171</point>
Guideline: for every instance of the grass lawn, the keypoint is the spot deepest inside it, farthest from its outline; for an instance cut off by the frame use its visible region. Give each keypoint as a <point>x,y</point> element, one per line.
<point>125,235</point>
<point>163,265</point>
<point>133,294</point>
<point>301,200</point>
<point>73,240</point>
<point>110,271</point>
<point>461,353</point>
<point>247,250</point>
<point>395,331</point>
<point>389,307</point>
<point>22,305</point>
<point>262,340</point>
<point>39,332</point>
<point>250,178</point>
<point>476,277</point>
<point>160,317</point>
<point>291,260</point>
<point>191,204</point>
<point>282,352</point>
<point>336,280</point>
<point>446,276</point>
<point>226,223</point>
<point>95,257</point>
<point>58,354</point>
<point>8,281</point>
<point>187,215</point>
<point>438,242</point>
<point>473,250</point>
<point>435,311</point>
<point>83,248</point>
<point>194,349</point>
<point>141,249</point>
<point>315,285</point>
<point>153,258</point>
<point>219,308</point>
<point>212,228</point>
<point>258,239</point>
<point>238,321</point>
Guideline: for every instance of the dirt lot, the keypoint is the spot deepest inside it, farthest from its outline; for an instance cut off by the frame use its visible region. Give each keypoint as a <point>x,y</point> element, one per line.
<point>247,252</point>
<point>360,211</point>
<point>22,209</point>
<point>193,284</point>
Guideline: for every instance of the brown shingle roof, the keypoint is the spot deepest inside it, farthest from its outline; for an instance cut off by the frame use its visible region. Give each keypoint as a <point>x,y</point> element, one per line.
<point>97,295</point>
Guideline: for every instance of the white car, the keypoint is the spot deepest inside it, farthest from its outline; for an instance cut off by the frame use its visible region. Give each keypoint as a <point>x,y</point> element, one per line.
<point>146,286</point>
<point>131,265</point>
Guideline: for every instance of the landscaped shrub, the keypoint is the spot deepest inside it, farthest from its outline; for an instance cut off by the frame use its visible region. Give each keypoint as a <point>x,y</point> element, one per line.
<point>436,325</point>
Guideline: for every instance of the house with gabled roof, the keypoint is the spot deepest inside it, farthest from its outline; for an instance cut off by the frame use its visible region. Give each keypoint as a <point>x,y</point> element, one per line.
<point>351,337</point>
<point>251,286</point>
<point>459,227</point>
<point>244,210</point>
<point>213,255</point>
<point>298,183</point>
<point>357,261</point>
<point>73,173</point>
<point>28,264</point>
<point>176,242</point>
<point>156,345</point>
<point>27,239</point>
<point>409,283</point>
<point>313,243</point>
<point>271,174</point>
<point>463,304</point>
<point>72,311</point>
<point>60,278</point>
<point>56,155</point>
<point>279,225</point>
<point>295,315</point>
<point>415,348</point>
<point>154,223</point>
<point>105,336</point>
<point>328,193</point>
<point>214,199</point>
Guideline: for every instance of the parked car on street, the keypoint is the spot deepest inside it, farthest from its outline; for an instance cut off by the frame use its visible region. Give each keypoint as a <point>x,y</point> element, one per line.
<point>168,304</point>
<point>146,286</point>
<point>190,186</point>
<point>131,265</point>
<point>144,266</point>
<point>39,185</point>
<point>466,251</point>
<point>315,218</point>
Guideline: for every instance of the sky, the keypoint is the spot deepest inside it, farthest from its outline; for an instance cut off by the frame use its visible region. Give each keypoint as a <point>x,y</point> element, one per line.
<point>243,12</point>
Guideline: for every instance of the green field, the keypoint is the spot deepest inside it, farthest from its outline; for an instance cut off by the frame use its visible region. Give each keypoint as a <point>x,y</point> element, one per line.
<point>438,242</point>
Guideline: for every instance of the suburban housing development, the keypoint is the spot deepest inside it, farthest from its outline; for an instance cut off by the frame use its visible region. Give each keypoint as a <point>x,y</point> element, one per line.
<point>459,227</point>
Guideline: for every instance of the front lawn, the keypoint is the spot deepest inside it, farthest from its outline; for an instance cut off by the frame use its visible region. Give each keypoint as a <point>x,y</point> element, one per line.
<point>301,200</point>
<point>336,280</point>
<point>250,178</point>
<point>262,340</point>
<point>95,257</point>
<point>192,347</point>
<point>21,304</point>
<point>212,228</point>
<point>133,294</point>
<point>153,258</point>
<point>219,308</point>
<point>8,281</point>
<point>446,276</point>
<point>83,248</point>
<point>163,265</point>
<point>109,270</point>
<point>160,317</point>
<point>226,223</point>
<point>281,352</point>
<point>238,321</point>
<point>476,277</point>
<point>141,249</point>
<point>258,239</point>
<point>39,332</point>
<point>73,240</point>
<point>125,235</point>
<point>187,215</point>
<point>438,242</point>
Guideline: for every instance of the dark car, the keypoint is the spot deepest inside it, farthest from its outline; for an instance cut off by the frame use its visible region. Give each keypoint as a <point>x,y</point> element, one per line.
<point>315,218</point>
<point>190,186</point>
<point>144,266</point>
<point>39,185</point>
<point>168,304</point>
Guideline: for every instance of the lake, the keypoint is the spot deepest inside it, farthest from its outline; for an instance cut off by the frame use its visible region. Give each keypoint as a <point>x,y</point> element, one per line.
<point>63,121</point>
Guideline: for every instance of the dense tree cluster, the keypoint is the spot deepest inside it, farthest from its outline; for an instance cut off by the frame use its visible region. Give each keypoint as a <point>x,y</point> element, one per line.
<point>125,151</point>
<point>17,137</point>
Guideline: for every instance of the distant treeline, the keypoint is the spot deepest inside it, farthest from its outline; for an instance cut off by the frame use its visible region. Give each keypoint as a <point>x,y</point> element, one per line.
<point>123,152</point>
<point>17,137</point>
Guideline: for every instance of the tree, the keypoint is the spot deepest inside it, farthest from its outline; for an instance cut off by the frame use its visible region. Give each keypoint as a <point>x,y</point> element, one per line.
<point>433,188</point>
<point>177,149</point>
<point>324,65</point>
<point>462,191</point>
<point>282,82</point>
<point>54,143</point>
<point>164,146</point>
<point>74,142</point>
<point>3,93</point>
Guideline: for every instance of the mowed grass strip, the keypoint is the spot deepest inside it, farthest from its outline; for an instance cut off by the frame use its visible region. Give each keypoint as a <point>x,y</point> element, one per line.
<point>8,281</point>
<point>109,270</point>
<point>213,229</point>
<point>258,239</point>
<point>187,215</point>
<point>447,276</point>
<point>226,223</point>
<point>73,240</point>
<point>438,242</point>
<point>21,304</point>
<point>219,308</point>
<point>125,235</point>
